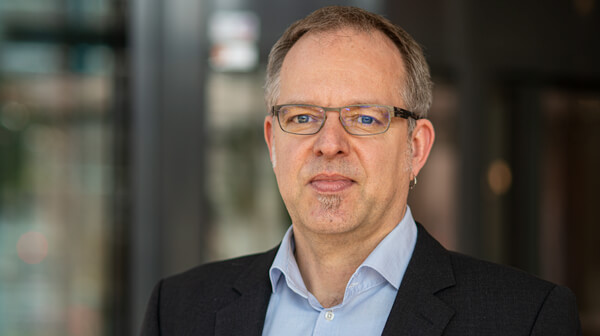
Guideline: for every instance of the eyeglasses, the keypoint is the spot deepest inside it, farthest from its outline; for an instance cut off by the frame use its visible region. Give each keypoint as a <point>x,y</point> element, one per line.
<point>364,119</point>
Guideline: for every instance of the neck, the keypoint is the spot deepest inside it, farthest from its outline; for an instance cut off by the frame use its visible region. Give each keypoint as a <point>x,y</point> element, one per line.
<point>327,262</point>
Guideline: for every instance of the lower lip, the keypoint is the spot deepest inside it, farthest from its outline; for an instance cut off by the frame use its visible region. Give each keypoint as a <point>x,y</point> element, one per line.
<point>331,186</point>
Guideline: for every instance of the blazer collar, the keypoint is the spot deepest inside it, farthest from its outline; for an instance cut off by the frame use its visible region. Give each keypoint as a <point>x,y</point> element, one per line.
<point>246,314</point>
<point>416,310</point>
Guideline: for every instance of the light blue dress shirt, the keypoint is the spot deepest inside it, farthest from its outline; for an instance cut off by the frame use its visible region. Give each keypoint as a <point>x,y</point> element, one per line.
<point>368,298</point>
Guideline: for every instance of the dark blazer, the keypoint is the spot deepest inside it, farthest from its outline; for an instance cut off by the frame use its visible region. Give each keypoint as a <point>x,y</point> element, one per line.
<point>442,293</point>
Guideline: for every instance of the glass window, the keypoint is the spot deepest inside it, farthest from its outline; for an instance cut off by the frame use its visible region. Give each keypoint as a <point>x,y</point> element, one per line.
<point>56,170</point>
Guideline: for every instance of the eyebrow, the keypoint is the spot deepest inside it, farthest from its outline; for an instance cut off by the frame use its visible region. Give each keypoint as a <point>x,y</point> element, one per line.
<point>352,102</point>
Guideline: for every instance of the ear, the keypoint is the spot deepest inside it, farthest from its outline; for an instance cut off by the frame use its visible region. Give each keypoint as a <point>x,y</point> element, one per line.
<point>268,130</point>
<point>422,140</point>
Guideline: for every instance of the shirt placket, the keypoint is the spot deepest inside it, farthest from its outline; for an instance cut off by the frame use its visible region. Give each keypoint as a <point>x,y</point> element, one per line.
<point>327,323</point>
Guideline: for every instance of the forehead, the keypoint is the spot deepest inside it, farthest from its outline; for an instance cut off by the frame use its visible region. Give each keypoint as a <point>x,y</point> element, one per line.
<point>342,67</point>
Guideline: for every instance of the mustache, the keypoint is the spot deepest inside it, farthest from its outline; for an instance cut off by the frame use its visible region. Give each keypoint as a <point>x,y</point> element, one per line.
<point>339,167</point>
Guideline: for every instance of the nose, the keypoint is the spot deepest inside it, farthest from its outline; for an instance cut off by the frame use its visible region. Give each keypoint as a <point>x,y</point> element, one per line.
<point>332,139</point>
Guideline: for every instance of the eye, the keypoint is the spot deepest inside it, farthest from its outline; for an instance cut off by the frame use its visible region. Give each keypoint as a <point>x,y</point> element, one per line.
<point>366,120</point>
<point>302,119</point>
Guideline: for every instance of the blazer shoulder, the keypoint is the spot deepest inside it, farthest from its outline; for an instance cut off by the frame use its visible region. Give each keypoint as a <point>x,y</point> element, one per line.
<point>222,273</point>
<point>475,272</point>
<point>484,298</point>
<point>187,303</point>
<point>509,297</point>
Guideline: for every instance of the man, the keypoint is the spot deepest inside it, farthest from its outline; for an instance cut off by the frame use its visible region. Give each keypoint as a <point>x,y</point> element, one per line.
<point>347,93</point>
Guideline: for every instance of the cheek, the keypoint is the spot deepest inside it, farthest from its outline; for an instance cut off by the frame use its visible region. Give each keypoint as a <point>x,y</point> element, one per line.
<point>273,156</point>
<point>390,167</point>
<point>285,159</point>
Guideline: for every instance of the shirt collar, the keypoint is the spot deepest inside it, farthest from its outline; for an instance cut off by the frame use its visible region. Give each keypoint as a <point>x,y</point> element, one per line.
<point>285,264</point>
<point>390,258</point>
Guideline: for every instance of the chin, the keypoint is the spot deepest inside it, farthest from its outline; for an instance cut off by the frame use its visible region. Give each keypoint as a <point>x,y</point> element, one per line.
<point>330,222</point>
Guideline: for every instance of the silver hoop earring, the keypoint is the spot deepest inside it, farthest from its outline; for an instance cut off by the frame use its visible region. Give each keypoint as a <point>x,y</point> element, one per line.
<point>413,183</point>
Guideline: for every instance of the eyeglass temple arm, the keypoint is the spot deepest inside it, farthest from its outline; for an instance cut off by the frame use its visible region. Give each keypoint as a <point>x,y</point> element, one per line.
<point>402,113</point>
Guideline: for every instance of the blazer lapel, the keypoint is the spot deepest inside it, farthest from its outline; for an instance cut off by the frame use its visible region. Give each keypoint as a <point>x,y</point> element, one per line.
<point>416,310</point>
<point>246,314</point>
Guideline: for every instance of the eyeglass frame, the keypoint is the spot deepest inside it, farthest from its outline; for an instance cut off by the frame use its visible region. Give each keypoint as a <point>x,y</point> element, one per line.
<point>397,112</point>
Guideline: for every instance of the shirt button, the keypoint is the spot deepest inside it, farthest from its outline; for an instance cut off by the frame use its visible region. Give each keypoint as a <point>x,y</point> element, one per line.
<point>329,315</point>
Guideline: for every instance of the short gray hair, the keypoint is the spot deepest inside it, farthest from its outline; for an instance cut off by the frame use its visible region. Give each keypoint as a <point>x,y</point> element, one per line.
<point>417,92</point>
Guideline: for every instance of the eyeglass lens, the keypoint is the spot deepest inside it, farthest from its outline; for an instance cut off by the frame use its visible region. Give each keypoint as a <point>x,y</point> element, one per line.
<point>359,119</point>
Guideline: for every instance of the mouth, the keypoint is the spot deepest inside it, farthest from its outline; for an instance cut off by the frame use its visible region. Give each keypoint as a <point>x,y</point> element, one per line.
<point>330,183</point>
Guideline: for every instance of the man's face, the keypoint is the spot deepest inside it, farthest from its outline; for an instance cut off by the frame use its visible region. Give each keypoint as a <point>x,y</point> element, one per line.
<point>333,182</point>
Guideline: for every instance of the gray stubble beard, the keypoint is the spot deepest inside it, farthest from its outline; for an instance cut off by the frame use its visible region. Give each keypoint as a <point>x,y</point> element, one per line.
<point>330,202</point>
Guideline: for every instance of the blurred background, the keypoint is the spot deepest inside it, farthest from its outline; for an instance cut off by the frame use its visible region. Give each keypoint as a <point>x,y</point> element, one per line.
<point>131,145</point>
